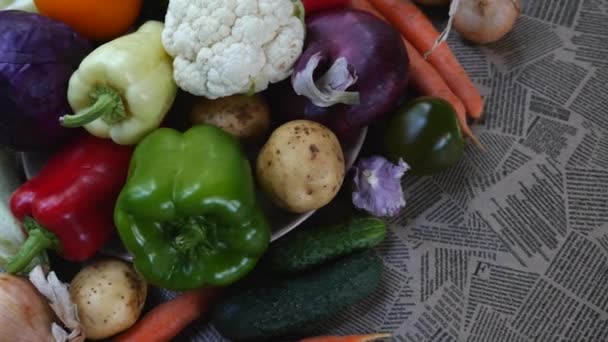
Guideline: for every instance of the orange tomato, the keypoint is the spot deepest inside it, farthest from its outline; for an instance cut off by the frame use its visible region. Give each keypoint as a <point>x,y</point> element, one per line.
<point>94,19</point>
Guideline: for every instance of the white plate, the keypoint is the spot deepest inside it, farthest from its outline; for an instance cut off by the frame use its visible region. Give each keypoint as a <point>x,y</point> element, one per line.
<point>281,222</point>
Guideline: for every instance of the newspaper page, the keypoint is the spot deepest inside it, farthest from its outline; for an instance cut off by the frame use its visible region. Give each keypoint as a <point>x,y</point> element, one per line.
<point>511,244</point>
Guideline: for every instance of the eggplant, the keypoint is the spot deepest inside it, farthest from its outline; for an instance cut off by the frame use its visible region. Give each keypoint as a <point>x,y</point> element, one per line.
<point>352,72</point>
<point>37,57</point>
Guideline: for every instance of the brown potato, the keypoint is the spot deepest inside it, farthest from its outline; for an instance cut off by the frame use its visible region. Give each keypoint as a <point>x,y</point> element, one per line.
<point>244,117</point>
<point>109,295</point>
<point>301,166</point>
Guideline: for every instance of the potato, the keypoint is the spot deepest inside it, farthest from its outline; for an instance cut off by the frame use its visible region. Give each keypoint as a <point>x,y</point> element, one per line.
<point>244,117</point>
<point>109,295</point>
<point>301,166</point>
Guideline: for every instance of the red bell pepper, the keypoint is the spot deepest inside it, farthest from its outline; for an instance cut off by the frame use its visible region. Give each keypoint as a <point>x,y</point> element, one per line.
<point>312,6</point>
<point>68,206</point>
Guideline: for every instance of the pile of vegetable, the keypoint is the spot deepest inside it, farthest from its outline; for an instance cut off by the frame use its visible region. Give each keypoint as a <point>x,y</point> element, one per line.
<point>164,121</point>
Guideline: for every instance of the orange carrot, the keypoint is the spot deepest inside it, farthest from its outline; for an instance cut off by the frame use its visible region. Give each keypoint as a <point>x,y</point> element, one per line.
<point>168,319</point>
<point>423,76</point>
<point>419,31</point>
<point>426,79</point>
<point>352,338</point>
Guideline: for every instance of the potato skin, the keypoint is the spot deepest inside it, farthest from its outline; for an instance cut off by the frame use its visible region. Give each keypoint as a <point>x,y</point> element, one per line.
<point>244,117</point>
<point>109,295</point>
<point>301,166</point>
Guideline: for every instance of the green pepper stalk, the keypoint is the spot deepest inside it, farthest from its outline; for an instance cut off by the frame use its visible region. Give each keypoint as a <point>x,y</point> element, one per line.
<point>107,105</point>
<point>188,212</point>
<point>12,236</point>
<point>38,241</point>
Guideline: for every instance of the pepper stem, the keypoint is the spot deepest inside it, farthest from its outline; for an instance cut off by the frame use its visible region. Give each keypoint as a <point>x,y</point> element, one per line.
<point>298,10</point>
<point>37,241</point>
<point>193,233</point>
<point>107,106</point>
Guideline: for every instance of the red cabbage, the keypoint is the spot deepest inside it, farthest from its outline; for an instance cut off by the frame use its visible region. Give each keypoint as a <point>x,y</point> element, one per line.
<point>37,57</point>
<point>361,74</point>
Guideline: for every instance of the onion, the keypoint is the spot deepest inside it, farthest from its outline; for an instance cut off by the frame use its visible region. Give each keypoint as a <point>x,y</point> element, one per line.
<point>486,21</point>
<point>24,314</point>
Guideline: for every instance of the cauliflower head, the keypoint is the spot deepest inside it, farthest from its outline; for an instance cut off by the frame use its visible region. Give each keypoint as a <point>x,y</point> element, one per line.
<point>228,47</point>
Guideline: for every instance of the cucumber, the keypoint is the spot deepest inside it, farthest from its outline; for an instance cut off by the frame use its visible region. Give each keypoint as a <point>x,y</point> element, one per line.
<point>263,313</point>
<point>308,248</point>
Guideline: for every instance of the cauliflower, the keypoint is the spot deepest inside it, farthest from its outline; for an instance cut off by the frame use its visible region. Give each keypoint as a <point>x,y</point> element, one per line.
<point>228,47</point>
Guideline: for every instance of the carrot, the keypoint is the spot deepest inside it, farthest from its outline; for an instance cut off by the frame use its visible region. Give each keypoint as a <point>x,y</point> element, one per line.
<point>426,79</point>
<point>419,31</point>
<point>168,319</point>
<point>351,338</point>
<point>423,76</point>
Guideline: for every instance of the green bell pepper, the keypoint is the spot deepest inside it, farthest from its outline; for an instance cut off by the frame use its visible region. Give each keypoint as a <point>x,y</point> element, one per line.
<point>188,211</point>
<point>425,133</point>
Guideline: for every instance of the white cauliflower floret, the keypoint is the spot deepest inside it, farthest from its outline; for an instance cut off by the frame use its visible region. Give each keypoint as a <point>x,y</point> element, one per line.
<point>227,47</point>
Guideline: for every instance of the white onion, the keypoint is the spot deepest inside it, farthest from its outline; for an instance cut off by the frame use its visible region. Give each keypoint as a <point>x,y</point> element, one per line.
<point>486,21</point>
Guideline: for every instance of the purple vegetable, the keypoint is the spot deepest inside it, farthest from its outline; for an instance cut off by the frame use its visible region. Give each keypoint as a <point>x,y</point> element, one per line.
<point>377,186</point>
<point>37,57</point>
<point>353,71</point>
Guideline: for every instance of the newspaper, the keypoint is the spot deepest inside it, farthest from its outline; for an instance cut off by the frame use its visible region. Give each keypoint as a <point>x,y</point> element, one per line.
<point>511,244</point>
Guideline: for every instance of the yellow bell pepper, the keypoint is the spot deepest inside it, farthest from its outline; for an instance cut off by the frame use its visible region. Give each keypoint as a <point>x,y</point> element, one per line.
<point>19,5</point>
<point>124,88</point>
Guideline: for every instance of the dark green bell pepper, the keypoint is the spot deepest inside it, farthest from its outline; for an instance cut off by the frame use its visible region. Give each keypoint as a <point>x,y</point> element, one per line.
<point>425,133</point>
<point>188,211</point>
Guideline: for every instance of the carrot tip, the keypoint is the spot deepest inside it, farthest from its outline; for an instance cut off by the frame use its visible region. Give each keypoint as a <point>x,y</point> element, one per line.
<point>374,337</point>
<point>476,115</point>
<point>477,142</point>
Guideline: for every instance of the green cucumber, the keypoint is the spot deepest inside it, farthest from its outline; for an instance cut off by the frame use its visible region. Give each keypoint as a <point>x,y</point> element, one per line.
<point>311,247</point>
<point>289,304</point>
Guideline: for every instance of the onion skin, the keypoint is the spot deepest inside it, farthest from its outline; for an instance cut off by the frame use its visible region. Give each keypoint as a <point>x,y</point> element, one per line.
<point>25,314</point>
<point>375,51</point>
<point>486,21</point>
